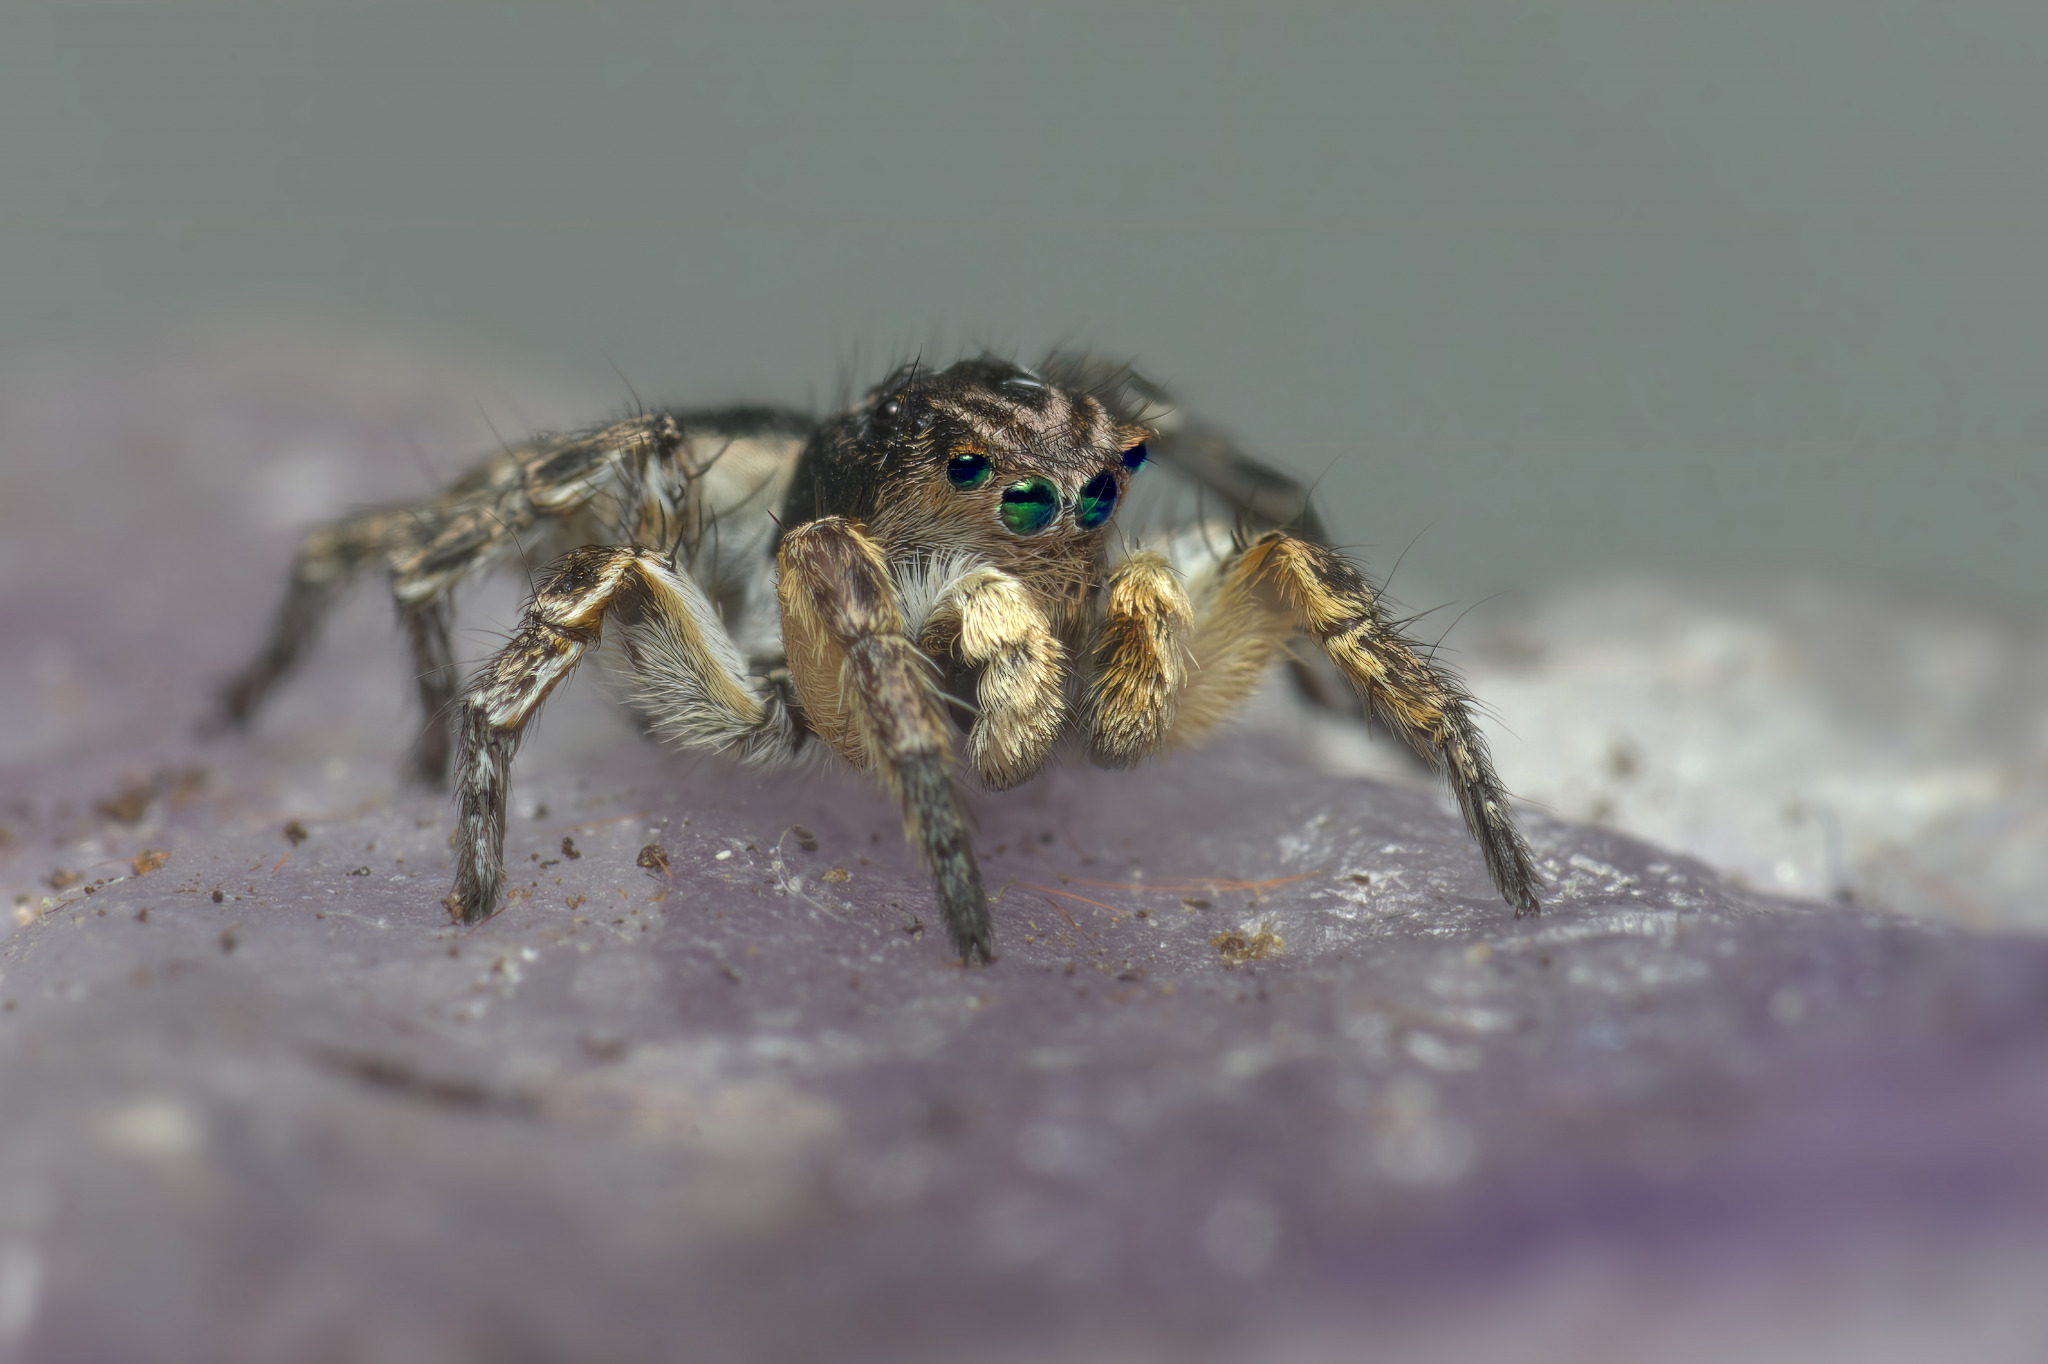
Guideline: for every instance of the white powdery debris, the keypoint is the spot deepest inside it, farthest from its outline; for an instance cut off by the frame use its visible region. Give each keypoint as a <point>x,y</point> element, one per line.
<point>1810,740</point>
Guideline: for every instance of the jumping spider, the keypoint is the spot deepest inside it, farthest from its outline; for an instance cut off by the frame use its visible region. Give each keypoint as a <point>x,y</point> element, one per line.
<point>784,587</point>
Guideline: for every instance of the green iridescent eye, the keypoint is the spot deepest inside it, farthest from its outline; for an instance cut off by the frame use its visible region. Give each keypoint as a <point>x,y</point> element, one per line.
<point>967,471</point>
<point>1098,500</point>
<point>1029,506</point>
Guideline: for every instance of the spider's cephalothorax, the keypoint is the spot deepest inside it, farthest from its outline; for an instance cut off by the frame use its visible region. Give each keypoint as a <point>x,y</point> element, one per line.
<point>936,558</point>
<point>982,460</point>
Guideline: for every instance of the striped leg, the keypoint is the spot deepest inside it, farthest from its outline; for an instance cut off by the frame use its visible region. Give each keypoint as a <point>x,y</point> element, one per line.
<point>1422,703</point>
<point>678,652</point>
<point>330,558</point>
<point>1256,599</point>
<point>867,690</point>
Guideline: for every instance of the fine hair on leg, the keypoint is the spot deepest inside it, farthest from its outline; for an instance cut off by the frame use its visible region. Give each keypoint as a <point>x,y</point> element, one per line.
<point>994,625</point>
<point>677,650</point>
<point>868,691</point>
<point>1421,701</point>
<point>1251,601</point>
<point>1140,660</point>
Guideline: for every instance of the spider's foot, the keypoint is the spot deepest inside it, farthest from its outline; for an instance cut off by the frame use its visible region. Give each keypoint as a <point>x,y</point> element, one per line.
<point>234,706</point>
<point>468,911</point>
<point>967,925</point>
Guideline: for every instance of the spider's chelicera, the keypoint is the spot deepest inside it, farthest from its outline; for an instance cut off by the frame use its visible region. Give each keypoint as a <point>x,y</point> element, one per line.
<point>939,557</point>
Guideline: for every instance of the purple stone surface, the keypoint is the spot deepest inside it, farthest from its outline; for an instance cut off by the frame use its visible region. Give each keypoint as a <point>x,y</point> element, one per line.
<point>1265,1070</point>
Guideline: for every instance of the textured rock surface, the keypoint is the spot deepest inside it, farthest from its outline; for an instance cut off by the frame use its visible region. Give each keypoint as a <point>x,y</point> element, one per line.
<point>1815,741</point>
<point>1264,1070</point>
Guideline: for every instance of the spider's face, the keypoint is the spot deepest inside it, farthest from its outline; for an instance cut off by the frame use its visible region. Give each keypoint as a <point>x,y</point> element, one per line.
<point>983,456</point>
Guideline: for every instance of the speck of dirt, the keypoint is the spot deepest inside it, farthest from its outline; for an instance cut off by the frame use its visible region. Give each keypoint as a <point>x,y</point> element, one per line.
<point>569,849</point>
<point>838,876</point>
<point>148,860</point>
<point>654,857</point>
<point>217,896</point>
<point>805,839</point>
<point>295,833</point>
<point>1238,948</point>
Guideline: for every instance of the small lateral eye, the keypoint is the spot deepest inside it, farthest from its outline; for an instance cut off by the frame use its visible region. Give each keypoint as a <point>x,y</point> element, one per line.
<point>967,471</point>
<point>1097,501</point>
<point>1134,456</point>
<point>1029,506</point>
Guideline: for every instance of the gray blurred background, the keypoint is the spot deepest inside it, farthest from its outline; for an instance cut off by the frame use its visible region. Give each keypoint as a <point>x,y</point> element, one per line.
<point>1562,287</point>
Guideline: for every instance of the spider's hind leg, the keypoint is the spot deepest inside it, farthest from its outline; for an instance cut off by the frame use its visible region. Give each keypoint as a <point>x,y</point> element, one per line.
<point>426,628</point>
<point>329,559</point>
<point>868,691</point>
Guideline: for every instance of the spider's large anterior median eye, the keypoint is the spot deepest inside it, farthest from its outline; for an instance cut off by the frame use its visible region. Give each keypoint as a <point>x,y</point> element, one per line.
<point>967,471</point>
<point>1029,506</point>
<point>1098,500</point>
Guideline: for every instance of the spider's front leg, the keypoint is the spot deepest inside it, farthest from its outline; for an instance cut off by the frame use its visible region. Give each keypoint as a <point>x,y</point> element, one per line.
<point>868,691</point>
<point>678,652</point>
<point>1424,704</point>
